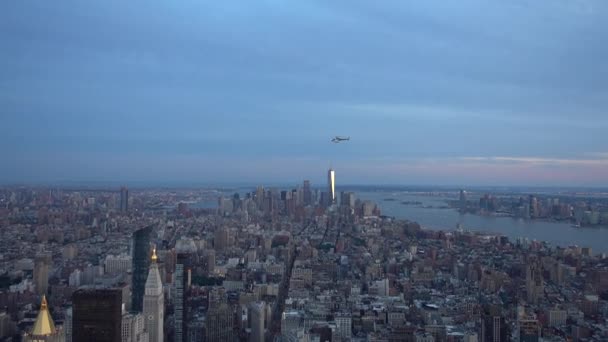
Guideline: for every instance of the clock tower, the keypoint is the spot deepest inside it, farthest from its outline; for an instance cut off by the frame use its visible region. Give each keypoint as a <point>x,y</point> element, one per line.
<point>154,302</point>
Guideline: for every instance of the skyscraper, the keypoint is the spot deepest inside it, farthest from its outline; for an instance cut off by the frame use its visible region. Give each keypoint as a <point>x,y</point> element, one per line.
<point>41,273</point>
<point>307,193</point>
<point>220,241</point>
<point>534,282</point>
<point>97,315</point>
<point>493,325</point>
<point>220,324</point>
<point>463,201</point>
<point>124,199</point>
<point>256,321</point>
<point>331,186</point>
<point>186,257</point>
<point>140,254</point>
<point>154,303</point>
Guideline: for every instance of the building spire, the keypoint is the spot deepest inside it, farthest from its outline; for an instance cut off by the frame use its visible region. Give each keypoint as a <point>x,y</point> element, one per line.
<point>154,257</point>
<point>44,324</point>
<point>43,304</point>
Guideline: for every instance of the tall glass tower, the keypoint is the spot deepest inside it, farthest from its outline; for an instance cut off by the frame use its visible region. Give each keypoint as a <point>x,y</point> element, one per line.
<point>186,259</point>
<point>331,184</point>
<point>140,253</point>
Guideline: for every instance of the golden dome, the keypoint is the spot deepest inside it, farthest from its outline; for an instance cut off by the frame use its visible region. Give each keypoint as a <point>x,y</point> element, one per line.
<point>154,257</point>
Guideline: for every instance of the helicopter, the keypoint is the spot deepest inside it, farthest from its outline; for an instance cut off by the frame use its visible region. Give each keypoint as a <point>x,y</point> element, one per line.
<point>338,139</point>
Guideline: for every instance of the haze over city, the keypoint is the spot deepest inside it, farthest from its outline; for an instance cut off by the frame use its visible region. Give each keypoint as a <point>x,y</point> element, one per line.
<point>304,171</point>
<point>462,93</point>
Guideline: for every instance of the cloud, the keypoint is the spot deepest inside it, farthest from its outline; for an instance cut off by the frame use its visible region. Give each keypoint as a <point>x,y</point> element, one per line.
<point>418,85</point>
<point>602,161</point>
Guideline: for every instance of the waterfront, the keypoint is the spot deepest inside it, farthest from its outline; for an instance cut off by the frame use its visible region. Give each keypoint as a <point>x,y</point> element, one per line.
<point>560,234</point>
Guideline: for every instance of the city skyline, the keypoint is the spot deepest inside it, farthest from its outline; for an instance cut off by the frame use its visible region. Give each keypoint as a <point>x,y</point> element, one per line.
<point>430,94</point>
<point>344,170</point>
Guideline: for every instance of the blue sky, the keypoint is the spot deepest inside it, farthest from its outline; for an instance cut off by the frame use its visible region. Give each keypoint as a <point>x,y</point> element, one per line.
<point>467,92</point>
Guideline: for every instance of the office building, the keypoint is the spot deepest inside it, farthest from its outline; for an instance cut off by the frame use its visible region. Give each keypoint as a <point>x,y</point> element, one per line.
<point>331,186</point>
<point>348,199</point>
<point>42,264</point>
<point>463,201</point>
<point>220,241</point>
<point>133,328</point>
<point>67,324</point>
<point>117,264</point>
<point>97,315</point>
<point>529,330</point>
<point>140,254</point>
<point>220,324</point>
<point>344,323</point>
<point>124,199</point>
<point>186,257</point>
<point>307,193</point>
<point>534,283</point>
<point>154,303</point>
<point>493,325</point>
<point>291,321</point>
<point>256,321</point>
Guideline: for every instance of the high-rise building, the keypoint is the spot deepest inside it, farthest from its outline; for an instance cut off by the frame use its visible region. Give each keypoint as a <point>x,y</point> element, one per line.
<point>307,193</point>
<point>124,199</point>
<point>44,329</point>
<point>117,264</point>
<point>209,261</point>
<point>256,321</point>
<point>67,324</point>
<point>348,199</point>
<point>42,264</point>
<point>344,323</point>
<point>186,258</point>
<point>331,186</point>
<point>291,322</point>
<point>5,325</point>
<point>140,254</point>
<point>220,324</point>
<point>534,282</point>
<point>529,330</point>
<point>534,207</point>
<point>180,299</point>
<point>493,325</point>
<point>220,241</point>
<point>463,201</point>
<point>154,303</point>
<point>97,315</point>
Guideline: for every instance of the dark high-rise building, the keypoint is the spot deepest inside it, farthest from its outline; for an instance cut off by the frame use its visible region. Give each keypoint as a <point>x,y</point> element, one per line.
<point>140,253</point>
<point>307,193</point>
<point>220,324</point>
<point>463,201</point>
<point>493,325</point>
<point>529,330</point>
<point>186,259</point>
<point>180,299</point>
<point>97,315</point>
<point>124,199</point>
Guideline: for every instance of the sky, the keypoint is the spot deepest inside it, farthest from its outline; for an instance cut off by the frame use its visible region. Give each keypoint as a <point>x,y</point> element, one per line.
<point>462,92</point>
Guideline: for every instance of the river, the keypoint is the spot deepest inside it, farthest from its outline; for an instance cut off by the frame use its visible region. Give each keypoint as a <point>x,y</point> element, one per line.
<point>436,218</point>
